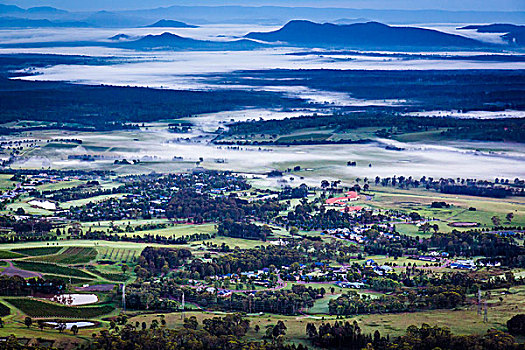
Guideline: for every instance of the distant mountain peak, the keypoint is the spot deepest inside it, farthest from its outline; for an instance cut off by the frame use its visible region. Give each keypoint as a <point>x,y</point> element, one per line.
<point>46,9</point>
<point>120,37</point>
<point>166,23</point>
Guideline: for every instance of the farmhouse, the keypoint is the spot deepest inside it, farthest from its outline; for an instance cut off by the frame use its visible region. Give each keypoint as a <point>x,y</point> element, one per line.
<point>463,264</point>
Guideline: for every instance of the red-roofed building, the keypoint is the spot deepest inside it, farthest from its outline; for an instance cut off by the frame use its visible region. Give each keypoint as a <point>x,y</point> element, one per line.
<point>350,196</point>
<point>355,208</point>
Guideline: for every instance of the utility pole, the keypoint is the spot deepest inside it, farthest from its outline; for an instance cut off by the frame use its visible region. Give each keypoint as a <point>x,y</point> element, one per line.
<point>183,307</point>
<point>479,302</point>
<point>485,313</point>
<point>124,297</point>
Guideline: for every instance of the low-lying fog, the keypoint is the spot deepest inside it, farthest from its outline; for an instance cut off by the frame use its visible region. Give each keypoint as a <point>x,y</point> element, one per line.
<point>159,148</point>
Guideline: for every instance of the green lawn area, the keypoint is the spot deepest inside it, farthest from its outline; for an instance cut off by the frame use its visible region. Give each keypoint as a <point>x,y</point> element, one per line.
<point>38,251</point>
<point>95,199</point>
<point>321,305</point>
<point>5,254</point>
<point>5,182</point>
<point>51,268</point>
<point>23,203</point>
<point>60,185</point>
<point>419,200</point>
<point>70,256</point>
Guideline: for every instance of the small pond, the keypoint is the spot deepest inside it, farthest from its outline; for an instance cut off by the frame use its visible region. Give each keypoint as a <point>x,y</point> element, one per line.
<point>79,324</point>
<point>75,299</point>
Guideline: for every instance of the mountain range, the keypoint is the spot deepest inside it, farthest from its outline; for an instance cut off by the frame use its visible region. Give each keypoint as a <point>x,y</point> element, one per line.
<point>297,33</point>
<point>277,15</point>
<point>15,22</point>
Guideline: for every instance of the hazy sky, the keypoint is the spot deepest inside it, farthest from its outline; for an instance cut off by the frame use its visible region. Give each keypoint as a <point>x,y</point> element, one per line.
<point>454,5</point>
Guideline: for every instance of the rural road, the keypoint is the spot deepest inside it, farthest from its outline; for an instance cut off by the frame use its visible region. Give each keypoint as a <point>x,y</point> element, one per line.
<point>15,271</point>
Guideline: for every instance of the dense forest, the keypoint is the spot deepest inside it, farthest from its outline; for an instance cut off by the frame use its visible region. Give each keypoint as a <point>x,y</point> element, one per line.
<point>431,90</point>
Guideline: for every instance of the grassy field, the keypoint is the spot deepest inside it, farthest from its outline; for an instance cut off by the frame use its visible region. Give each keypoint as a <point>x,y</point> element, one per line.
<point>127,255</point>
<point>420,201</point>
<point>38,251</point>
<point>70,256</point>
<point>5,254</point>
<point>60,185</point>
<point>51,269</point>
<point>67,279</point>
<point>5,182</point>
<point>177,230</point>
<point>80,202</point>
<point>28,209</point>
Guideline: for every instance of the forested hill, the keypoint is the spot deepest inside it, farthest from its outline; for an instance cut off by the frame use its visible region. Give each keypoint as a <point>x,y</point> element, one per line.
<point>511,33</point>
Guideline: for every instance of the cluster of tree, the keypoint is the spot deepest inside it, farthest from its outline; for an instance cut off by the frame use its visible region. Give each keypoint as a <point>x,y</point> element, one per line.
<point>144,238</point>
<point>289,192</point>
<point>476,243</point>
<point>63,140</point>
<point>378,243</point>
<point>435,297</point>
<point>516,325</point>
<point>439,205</point>
<point>435,337</point>
<point>349,336</point>
<point>16,285</point>
<point>306,216</point>
<point>248,260</point>
<point>232,324</point>
<point>74,193</point>
<point>495,192</point>
<point>345,335</point>
<point>218,334</point>
<point>498,188</point>
<point>205,208</point>
<point>291,142</point>
<point>32,227</point>
<point>155,260</point>
<point>229,228</point>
